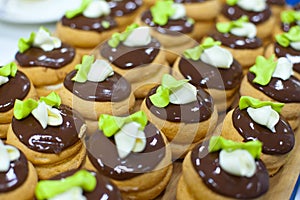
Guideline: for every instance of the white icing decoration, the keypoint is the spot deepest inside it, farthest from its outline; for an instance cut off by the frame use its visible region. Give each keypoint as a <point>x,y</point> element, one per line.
<point>13,152</point>
<point>138,37</point>
<point>3,80</point>
<point>187,93</point>
<point>265,116</point>
<point>295,45</point>
<point>75,193</point>
<point>217,57</point>
<point>284,69</point>
<point>247,30</point>
<point>253,5</point>
<point>97,9</point>
<point>45,41</point>
<point>179,11</point>
<point>99,71</point>
<point>140,142</point>
<point>238,162</point>
<point>8,153</point>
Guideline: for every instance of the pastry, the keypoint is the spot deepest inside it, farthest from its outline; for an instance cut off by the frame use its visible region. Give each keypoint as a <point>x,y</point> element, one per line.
<point>288,19</point>
<point>13,85</point>
<point>130,150</point>
<point>223,169</point>
<point>141,61</point>
<point>18,177</point>
<point>42,55</point>
<point>261,120</point>
<point>184,113</point>
<point>277,6</point>
<point>49,135</point>
<point>213,68</point>
<point>270,80</point>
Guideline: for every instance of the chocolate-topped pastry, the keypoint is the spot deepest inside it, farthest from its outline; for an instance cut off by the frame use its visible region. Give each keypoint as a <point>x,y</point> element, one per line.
<point>277,6</point>
<point>49,133</point>
<point>127,159</point>
<point>288,18</point>
<point>185,116</point>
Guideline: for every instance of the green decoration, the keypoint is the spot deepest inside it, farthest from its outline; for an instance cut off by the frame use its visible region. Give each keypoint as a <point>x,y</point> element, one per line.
<point>73,13</point>
<point>9,70</point>
<point>247,101</point>
<point>24,44</point>
<point>161,12</point>
<point>120,37</point>
<point>83,69</point>
<point>105,24</point>
<point>290,16</point>
<point>23,108</point>
<point>231,2</point>
<point>52,99</point>
<point>225,27</point>
<point>285,39</point>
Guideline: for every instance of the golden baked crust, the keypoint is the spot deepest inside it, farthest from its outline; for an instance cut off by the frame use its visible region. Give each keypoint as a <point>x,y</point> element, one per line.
<point>3,130</point>
<point>209,10</point>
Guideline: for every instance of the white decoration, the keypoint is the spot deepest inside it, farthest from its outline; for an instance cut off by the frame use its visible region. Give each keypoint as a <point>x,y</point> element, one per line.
<point>140,142</point>
<point>187,93</point>
<point>13,152</point>
<point>75,193</point>
<point>100,70</point>
<point>8,153</point>
<point>97,9</point>
<point>138,37</point>
<point>3,80</point>
<point>247,30</point>
<point>179,11</point>
<point>45,41</point>
<point>284,69</point>
<point>217,57</point>
<point>253,5</point>
<point>295,45</point>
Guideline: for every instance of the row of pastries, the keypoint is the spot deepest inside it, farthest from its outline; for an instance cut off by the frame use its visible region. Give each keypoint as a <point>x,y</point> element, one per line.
<point>103,106</point>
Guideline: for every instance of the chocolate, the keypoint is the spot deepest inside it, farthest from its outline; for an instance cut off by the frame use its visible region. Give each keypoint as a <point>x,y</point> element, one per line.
<point>194,112</point>
<point>188,1</point>
<point>285,27</point>
<point>207,166</point>
<point>57,58</point>
<point>114,88</point>
<point>207,76</point>
<point>276,2</point>
<point>53,139</point>
<point>103,154</point>
<point>290,53</point>
<point>129,57</point>
<point>280,142</point>
<point>173,27</point>
<point>15,176</point>
<point>287,91</point>
<point>89,24</point>
<point>16,88</point>
<point>121,8</point>
<point>235,12</point>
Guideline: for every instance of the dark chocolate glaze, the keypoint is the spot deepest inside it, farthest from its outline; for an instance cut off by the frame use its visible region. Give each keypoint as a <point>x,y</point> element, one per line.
<point>104,189</point>
<point>280,142</point>
<point>173,27</point>
<point>55,59</point>
<point>235,12</point>
<point>283,91</point>
<point>188,1</point>
<point>290,53</point>
<point>53,139</point>
<point>103,154</point>
<point>15,176</point>
<point>114,88</point>
<point>16,88</point>
<point>276,2</point>
<point>129,57</point>
<point>121,8</point>
<point>297,6</point>
<point>285,27</point>
<point>193,112</point>
<point>208,168</point>
<point>89,24</point>
<point>207,76</point>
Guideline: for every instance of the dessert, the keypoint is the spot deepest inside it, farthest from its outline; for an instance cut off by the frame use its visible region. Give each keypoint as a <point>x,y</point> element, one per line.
<point>277,6</point>
<point>14,85</point>
<point>288,19</point>
<point>49,135</point>
<point>42,55</point>
<point>17,175</point>
<point>130,150</point>
<point>223,169</point>
<point>184,113</point>
<point>261,120</point>
<point>212,68</point>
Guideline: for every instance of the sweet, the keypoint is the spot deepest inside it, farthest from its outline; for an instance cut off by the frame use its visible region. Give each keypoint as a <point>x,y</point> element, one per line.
<point>277,6</point>
<point>49,135</point>
<point>184,113</point>
<point>223,169</point>
<point>288,19</point>
<point>13,85</point>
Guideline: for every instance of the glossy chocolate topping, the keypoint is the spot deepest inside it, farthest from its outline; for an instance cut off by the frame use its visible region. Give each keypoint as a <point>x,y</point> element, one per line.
<point>171,28</point>
<point>89,24</point>
<point>188,1</point>
<point>104,189</point>
<point>53,139</point>
<point>129,57</point>
<point>56,58</point>
<point>283,91</point>
<point>280,142</point>
<point>102,152</point>
<point>236,42</point>
<point>121,8</point>
<point>208,168</point>
<point>285,27</point>
<point>292,54</point>
<point>114,88</point>
<point>15,176</point>
<point>207,76</point>
<point>276,2</point>
<point>235,12</point>
<point>16,88</point>
<point>193,112</point>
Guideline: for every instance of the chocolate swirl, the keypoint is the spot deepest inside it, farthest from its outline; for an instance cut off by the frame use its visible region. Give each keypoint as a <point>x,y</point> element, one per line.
<point>194,112</point>
<point>129,57</point>
<point>287,91</point>
<point>114,88</point>
<point>103,154</point>
<point>53,139</point>
<point>290,53</point>
<point>215,178</point>
<point>16,174</point>
<point>207,76</point>
<point>235,12</point>
<point>55,59</point>
<point>16,88</point>
<point>280,142</point>
<point>276,2</point>
<point>121,8</point>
